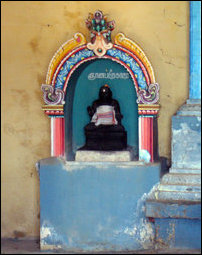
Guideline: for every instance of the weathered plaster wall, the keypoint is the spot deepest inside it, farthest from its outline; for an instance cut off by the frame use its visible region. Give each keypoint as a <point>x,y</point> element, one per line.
<point>31,33</point>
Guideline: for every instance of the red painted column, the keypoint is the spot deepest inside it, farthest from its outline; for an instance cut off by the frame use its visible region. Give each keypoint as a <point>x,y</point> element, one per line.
<point>57,137</point>
<point>146,135</point>
<point>152,139</point>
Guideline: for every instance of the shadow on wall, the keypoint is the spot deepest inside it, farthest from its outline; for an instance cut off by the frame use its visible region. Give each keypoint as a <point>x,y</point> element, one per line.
<point>165,165</point>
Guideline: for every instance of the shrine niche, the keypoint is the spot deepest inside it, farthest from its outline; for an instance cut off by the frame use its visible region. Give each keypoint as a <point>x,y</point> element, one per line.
<point>102,99</point>
<point>77,72</point>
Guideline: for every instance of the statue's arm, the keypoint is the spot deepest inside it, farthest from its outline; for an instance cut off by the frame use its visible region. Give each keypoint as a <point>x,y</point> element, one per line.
<point>118,114</point>
<point>92,109</point>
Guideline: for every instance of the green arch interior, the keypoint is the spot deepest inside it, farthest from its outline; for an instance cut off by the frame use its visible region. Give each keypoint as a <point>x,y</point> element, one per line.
<point>81,92</point>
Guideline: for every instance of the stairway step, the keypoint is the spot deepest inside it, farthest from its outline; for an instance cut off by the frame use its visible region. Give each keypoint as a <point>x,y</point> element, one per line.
<point>175,195</point>
<point>181,187</point>
<point>186,179</point>
<point>184,171</point>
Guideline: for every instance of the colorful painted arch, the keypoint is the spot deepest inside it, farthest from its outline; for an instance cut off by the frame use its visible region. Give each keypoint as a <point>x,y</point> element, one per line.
<point>75,52</point>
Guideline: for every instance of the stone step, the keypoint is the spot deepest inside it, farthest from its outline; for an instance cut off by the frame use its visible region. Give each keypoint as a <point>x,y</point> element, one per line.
<point>186,179</point>
<point>190,109</point>
<point>184,188</point>
<point>184,171</point>
<point>175,195</point>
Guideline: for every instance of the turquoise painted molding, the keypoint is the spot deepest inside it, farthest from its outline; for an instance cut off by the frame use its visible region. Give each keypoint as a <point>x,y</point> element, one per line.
<point>195,50</point>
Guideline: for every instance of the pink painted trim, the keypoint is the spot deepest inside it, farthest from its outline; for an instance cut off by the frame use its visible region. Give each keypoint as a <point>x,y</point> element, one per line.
<point>149,135</point>
<point>147,112</point>
<point>146,133</point>
<point>52,136</point>
<point>146,142</point>
<point>63,137</point>
<point>55,150</point>
<point>152,140</point>
<point>58,137</point>
<point>54,113</point>
<point>142,127</point>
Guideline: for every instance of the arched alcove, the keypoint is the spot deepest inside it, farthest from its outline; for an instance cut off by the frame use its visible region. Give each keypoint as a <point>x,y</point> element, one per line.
<point>68,92</point>
<point>82,90</point>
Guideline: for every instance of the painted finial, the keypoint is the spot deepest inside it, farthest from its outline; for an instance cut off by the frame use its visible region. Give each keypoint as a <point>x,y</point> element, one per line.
<point>100,30</point>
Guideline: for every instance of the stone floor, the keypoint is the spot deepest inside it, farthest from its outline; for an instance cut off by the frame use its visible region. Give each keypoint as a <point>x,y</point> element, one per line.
<point>16,246</point>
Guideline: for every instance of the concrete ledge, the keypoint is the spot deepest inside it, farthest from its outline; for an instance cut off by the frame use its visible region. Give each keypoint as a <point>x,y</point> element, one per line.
<point>181,179</point>
<point>191,108</point>
<point>173,209</point>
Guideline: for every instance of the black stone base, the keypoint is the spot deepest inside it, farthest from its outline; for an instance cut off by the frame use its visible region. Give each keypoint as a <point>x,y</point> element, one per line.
<point>105,141</point>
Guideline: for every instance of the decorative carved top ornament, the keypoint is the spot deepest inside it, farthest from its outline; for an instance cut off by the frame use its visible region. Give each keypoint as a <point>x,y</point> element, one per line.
<point>100,33</point>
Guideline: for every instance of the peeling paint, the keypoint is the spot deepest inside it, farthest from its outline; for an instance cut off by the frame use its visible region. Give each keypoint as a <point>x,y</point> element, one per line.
<point>68,166</point>
<point>141,229</point>
<point>145,156</point>
<point>48,233</point>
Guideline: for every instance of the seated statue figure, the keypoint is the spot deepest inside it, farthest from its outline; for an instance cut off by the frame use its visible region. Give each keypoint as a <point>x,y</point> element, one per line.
<point>105,131</point>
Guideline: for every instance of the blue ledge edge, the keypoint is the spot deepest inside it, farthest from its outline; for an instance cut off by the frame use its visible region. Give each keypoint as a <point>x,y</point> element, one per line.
<point>178,209</point>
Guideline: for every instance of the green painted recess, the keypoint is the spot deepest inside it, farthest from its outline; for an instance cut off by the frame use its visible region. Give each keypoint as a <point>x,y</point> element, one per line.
<point>83,90</point>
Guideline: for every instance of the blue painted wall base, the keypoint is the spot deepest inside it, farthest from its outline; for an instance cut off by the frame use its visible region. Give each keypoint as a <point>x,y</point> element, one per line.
<point>95,206</point>
<point>177,223</point>
<point>178,233</point>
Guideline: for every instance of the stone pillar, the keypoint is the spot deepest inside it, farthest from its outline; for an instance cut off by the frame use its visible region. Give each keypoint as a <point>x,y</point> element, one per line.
<point>175,204</point>
<point>186,124</point>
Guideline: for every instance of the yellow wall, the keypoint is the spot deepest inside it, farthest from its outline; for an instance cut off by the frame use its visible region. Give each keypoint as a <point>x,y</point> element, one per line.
<point>31,33</point>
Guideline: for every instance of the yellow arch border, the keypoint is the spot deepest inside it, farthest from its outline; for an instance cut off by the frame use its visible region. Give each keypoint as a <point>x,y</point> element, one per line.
<point>79,40</point>
<point>122,40</point>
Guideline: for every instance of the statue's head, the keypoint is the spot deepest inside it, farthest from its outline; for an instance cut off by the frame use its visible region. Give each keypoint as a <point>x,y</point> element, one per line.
<point>105,93</point>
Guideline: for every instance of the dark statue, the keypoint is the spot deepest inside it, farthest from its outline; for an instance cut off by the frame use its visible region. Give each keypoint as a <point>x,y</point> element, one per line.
<point>105,131</point>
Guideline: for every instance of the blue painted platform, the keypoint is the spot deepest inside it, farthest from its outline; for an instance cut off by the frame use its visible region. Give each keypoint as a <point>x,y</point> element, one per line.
<point>95,206</point>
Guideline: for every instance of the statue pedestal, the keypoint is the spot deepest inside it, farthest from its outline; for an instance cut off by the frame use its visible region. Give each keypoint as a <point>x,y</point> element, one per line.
<point>101,156</point>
